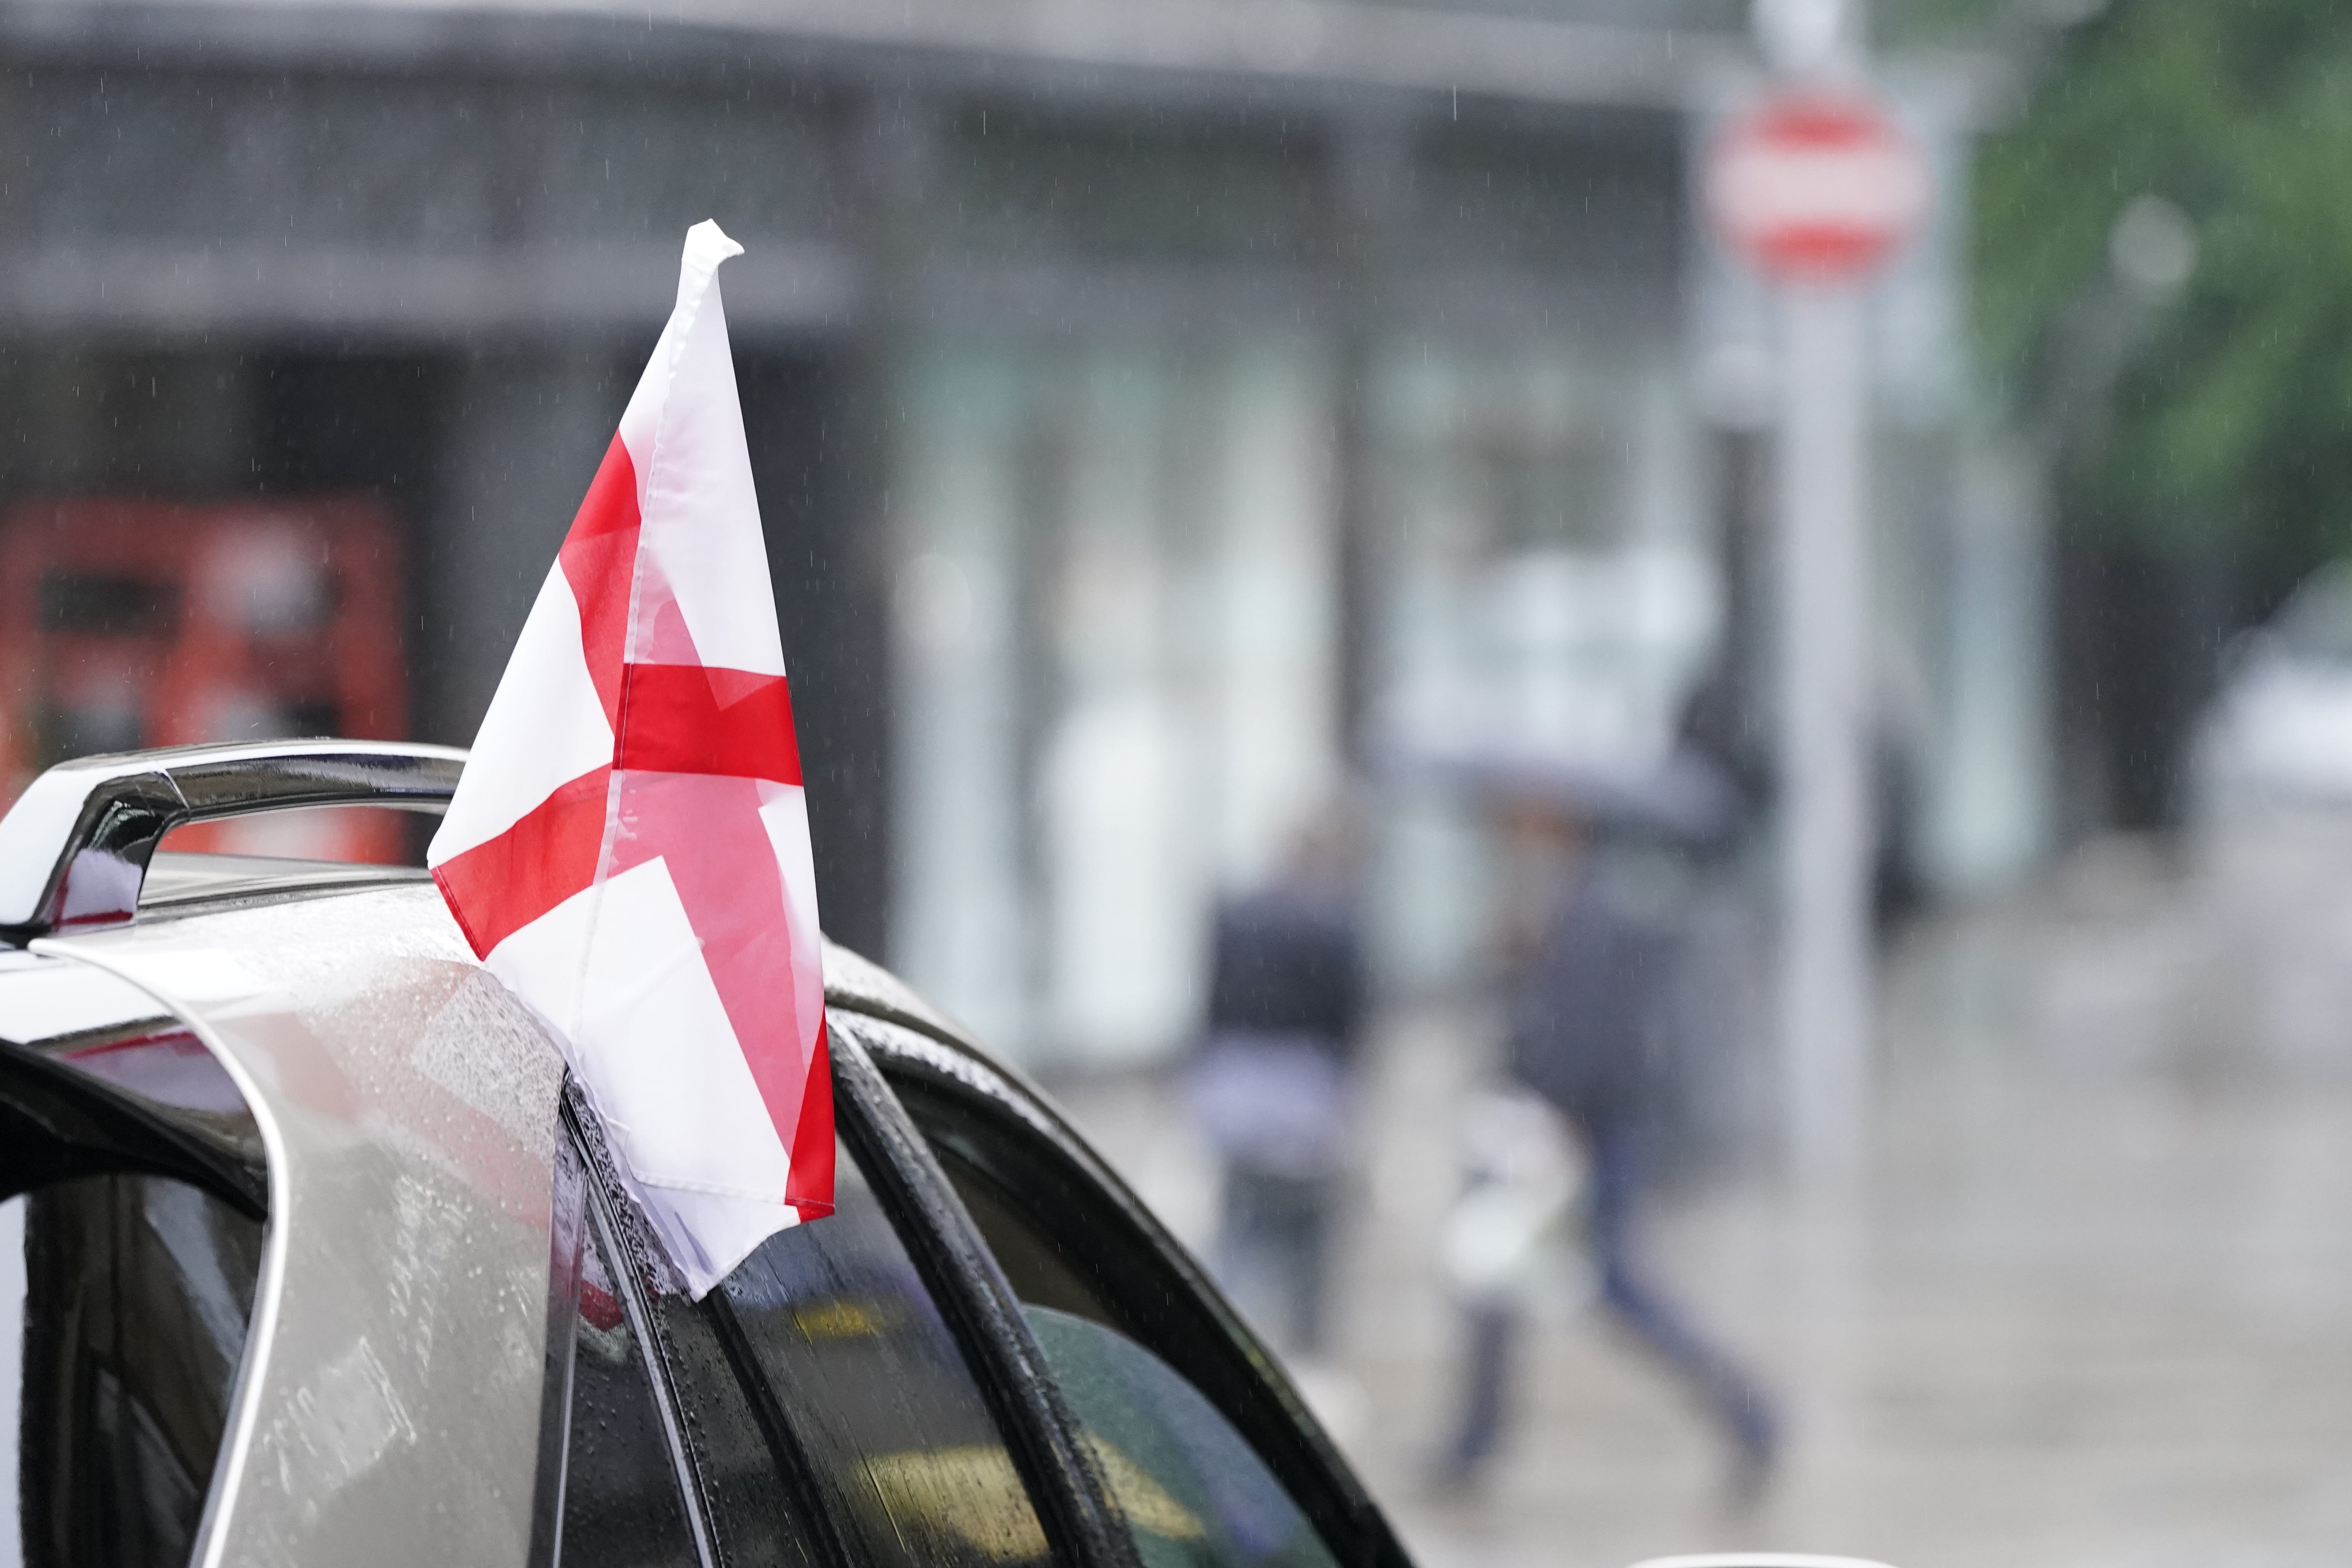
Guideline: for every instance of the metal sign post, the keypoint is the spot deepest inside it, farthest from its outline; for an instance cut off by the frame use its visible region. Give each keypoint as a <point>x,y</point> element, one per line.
<point>1815,184</point>
<point>1828,826</point>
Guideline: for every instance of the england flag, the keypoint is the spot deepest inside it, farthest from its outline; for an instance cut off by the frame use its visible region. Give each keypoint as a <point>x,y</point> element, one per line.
<point>629,850</point>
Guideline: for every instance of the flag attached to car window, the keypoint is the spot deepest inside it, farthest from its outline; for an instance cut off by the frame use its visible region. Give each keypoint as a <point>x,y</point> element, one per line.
<point>629,850</point>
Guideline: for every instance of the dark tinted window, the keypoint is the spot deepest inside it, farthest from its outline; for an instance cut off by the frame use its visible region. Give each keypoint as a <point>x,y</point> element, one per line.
<point>132,1191</point>
<point>1192,1489</point>
<point>1193,1493</point>
<point>871,1389</point>
<point>1077,1251</point>
<point>123,1308</point>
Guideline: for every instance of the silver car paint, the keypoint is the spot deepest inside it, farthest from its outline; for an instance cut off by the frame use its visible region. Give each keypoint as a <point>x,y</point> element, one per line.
<point>388,1409</point>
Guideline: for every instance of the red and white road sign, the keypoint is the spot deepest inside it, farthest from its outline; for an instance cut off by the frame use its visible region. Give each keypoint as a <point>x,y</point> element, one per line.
<point>1816,184</point>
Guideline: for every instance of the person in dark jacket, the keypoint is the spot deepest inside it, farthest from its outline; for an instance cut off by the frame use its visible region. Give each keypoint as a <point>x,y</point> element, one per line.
<point>1585,1033</point>
<point>1273,1086</point>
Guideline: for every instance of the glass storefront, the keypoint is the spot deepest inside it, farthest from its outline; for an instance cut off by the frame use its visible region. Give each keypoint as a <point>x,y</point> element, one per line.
<point>1118,647</point>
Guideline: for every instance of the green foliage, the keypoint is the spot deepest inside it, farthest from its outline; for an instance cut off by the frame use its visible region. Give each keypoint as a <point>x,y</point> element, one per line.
<point>2230,425</point>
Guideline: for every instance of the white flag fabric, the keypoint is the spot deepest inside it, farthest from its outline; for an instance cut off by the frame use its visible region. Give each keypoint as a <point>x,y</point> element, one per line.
<point>629,850</point>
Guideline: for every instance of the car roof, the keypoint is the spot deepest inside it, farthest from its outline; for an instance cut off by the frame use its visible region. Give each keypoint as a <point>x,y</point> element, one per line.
<point>181,885</point>
<point>407,1103</point>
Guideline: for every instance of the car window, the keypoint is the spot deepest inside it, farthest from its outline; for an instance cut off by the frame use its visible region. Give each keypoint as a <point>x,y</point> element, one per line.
<point>133,1196</point>
<point>1191,1490</point>
<point>124,1306</point>
<point>869,1387</point>
<point>1075,1250</point>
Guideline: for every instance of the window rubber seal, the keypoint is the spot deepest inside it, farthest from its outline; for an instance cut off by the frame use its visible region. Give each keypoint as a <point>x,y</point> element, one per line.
<point>567,1236</point>
<point>579,1125</point>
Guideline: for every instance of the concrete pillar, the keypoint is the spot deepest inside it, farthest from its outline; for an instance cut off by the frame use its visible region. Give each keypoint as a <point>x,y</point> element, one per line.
<point>1371,205</point>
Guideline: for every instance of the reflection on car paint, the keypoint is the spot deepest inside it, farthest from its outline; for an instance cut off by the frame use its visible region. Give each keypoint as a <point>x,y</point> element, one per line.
<point>171,1067</point>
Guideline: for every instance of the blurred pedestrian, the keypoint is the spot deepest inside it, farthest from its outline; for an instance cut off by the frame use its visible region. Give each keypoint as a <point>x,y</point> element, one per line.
<point>1586,1026</point>
<point>1273,1086</point>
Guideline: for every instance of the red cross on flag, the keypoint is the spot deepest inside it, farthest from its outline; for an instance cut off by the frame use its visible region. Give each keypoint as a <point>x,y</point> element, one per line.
<point>629,850</point>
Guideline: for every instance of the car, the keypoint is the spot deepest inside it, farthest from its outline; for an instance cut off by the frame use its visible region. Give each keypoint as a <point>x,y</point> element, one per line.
<point>312,1252</point>
<point>2278,734</point>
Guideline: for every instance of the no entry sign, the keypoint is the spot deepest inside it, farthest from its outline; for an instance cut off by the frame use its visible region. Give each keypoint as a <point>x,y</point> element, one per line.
<point>1816,184</point>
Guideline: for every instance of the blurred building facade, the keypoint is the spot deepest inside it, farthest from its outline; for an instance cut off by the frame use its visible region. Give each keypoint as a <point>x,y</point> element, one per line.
<point>1158,410</point>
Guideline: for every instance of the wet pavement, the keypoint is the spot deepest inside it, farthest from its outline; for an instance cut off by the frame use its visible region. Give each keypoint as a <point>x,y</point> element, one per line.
<point>2093,1305</point>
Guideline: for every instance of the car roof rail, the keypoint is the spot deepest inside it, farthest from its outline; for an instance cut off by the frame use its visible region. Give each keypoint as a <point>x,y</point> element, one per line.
<point>75,846</point>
